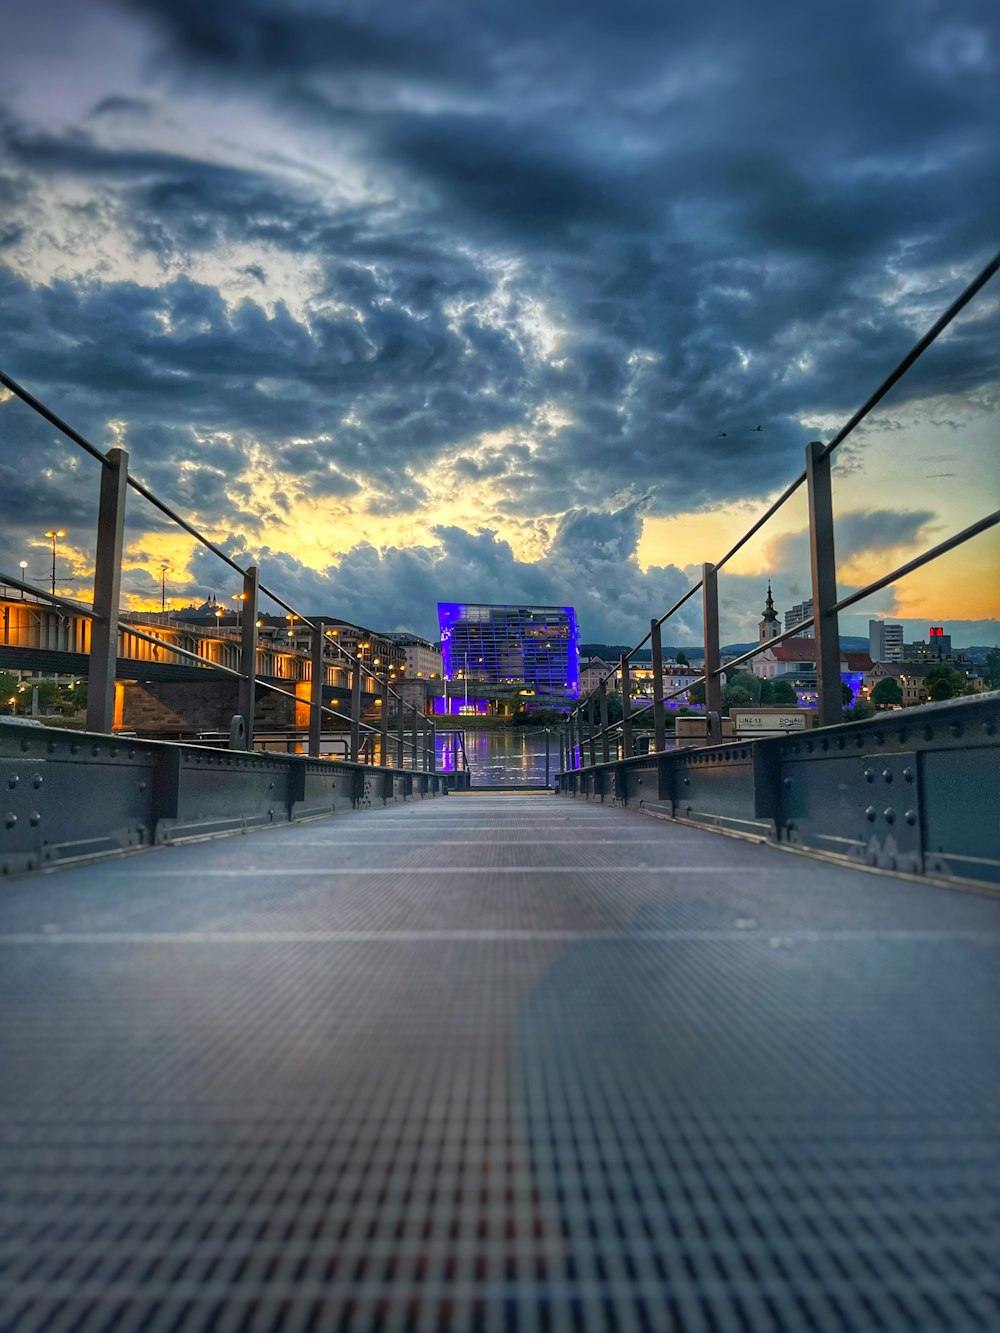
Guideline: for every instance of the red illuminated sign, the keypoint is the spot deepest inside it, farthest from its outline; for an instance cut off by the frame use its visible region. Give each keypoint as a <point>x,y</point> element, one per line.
<point>937,631</point>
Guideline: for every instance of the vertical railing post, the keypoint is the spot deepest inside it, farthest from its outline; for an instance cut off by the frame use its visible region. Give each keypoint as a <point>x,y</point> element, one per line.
<point>591,737</point>
<point>562,749</point>
<point>413,739</point>
<point>626,709</point>
<point>659,723</point>
<point>824,584</point>
<point>575,737</point>
<point>710,622</point>
<point>107,590</point>
<point>384,724</point>
<point>248,652</point>
<point>356,710</point>
<point>605,738</point>
<point>400,742</point>
<point>317,678</point>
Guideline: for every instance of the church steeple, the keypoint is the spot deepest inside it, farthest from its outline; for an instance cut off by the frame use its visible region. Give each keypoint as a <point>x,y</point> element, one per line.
<point>769,627</point>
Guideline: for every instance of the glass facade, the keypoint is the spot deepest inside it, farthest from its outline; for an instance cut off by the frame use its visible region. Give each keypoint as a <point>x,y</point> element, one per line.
<point>535,647</point>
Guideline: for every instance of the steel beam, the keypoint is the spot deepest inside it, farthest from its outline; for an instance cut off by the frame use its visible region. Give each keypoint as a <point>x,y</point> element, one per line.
<point>317,669</point>
<point>659,726</point>
<point>356,711</point>
<point>107,591</point>
<point>824,584</point>
<point>710,623</point>
<point>248,653</point>
<point>626,708</point>
<point>384,725</point>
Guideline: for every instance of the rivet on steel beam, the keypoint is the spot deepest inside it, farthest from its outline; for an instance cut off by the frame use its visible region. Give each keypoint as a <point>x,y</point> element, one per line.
<point>908,774</point>
<point>869,775</point>
<point>887,774</point>
<point>36,781</point>
<point>870,814</point>
<point>13,780</point>
<point>889,815</point>
<point>786,783</point>
<point>11,819</point>
<point>910,817</point>
<point>34,819</point>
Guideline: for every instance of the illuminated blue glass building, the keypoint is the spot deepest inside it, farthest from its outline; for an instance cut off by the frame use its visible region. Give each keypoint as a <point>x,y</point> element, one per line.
<point>526,647</point>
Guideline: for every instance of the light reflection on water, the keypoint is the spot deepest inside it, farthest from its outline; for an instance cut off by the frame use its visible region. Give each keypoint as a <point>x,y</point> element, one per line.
<point>504,758</point>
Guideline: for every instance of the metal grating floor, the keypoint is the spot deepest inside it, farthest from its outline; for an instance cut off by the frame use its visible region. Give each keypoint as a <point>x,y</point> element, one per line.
<point>493,1063</point>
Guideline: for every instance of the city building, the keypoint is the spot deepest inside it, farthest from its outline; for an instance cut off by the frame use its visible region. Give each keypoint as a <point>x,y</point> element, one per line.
<point>885,641</point>
<point>935,648</point>
<point>508,654</point>
<point>909,676</point>
<point>797,613</point>
<point>768,627</point>
<point>795,659</point>
<point>594,670</point>
<point>423,660</point>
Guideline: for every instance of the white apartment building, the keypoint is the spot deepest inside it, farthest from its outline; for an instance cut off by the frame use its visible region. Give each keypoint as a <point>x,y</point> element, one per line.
<point>885,641</point>
<point>796,614</point>
<point>422,658</point>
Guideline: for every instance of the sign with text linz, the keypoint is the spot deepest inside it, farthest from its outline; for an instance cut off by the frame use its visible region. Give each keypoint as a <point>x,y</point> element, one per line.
<point>749,721</point>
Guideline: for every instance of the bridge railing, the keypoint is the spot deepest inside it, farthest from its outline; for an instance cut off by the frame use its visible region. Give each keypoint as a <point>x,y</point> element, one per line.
<point>407,739</point>
<point>588,737</point>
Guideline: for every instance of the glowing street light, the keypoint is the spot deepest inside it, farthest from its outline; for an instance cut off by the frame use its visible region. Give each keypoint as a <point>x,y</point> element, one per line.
<point>54,533</point>
<point>23,567</point>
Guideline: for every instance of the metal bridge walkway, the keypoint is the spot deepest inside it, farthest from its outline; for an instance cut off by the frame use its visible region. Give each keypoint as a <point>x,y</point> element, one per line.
<point>496,1062</point>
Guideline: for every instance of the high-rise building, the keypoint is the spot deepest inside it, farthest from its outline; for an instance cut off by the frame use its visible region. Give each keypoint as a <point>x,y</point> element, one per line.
<point>797,613</point>
<point>533,647</point>
<point>885,641</point>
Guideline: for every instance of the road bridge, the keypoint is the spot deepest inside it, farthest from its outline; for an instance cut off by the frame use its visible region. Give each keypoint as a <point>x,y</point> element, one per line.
<point>502,1061</point>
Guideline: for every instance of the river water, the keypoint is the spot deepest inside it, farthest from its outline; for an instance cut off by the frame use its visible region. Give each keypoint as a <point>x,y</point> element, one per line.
<point>503,758</point>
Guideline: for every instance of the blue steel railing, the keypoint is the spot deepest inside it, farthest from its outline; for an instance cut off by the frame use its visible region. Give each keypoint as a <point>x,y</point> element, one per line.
<point>587,728</point>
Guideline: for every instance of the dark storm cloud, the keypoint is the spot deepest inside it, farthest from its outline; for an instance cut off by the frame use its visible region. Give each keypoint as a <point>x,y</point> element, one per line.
<point>732,216</point>
<point>591,565</point>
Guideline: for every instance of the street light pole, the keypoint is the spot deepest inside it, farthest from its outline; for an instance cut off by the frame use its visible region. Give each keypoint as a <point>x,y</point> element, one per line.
<point>163,587</point>
<point>54,534</point>
<point>23,567</point>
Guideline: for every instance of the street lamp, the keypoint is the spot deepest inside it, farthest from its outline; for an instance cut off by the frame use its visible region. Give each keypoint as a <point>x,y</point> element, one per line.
<point>23,567</point>
<point>239,598</point>
<point>54,534</point>
<point>164,569</point>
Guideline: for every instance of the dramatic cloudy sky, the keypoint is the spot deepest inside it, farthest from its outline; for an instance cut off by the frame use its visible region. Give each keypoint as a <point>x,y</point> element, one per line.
<point>448,299</point>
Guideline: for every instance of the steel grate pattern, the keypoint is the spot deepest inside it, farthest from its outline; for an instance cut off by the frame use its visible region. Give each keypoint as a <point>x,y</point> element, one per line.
<point>601,1072</point>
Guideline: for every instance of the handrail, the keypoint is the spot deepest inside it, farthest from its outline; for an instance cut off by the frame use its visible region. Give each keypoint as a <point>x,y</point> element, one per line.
<point>140,488</point>
<point>936,329</point>
<point>827,614</point>
<point>75,608</point>
<point>942,548</point>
